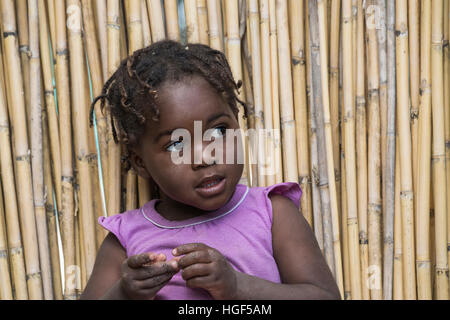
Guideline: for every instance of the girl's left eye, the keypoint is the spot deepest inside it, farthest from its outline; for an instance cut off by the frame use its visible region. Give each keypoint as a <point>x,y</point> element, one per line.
<point>176,146</point>
<point>219,132</point>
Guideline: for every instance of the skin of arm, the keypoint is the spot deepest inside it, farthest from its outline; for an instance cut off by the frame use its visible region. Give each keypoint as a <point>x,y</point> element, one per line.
<point>303,269</point>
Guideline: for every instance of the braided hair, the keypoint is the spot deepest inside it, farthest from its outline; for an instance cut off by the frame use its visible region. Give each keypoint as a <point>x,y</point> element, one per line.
<point>131,92</point>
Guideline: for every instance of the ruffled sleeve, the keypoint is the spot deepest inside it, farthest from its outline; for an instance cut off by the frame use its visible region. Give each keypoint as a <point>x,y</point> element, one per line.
<point>290,190</point>
<point>114,224</point>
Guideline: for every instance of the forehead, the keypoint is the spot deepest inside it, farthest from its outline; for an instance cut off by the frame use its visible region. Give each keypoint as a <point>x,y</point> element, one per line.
<point>183,102</point>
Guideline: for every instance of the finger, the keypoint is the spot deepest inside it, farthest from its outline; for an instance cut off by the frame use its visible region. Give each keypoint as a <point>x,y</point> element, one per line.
<point>155,258</point>
<point>138,260</point>
<point>196,270</point>
<point>155,281</point>
<point>199,282</point>
<point>188,247</point>
<point>155,269</point>
<point>194,257</point>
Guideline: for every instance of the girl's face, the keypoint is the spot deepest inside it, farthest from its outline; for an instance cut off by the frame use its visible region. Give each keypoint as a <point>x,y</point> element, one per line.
<point>187,184</point>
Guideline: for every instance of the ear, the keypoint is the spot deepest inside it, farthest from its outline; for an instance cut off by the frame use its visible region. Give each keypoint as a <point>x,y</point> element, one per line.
<point>138,164</point>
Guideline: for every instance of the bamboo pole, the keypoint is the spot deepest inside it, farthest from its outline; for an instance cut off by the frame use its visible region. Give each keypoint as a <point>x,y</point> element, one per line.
<point>173,29</point>
<point>50,105</point>
<point>390,172</point>
<point>15,248</point>
<point>316,201</point>
<point>321,9</point>
<point>192,31</point>
<point>80,117</point>
<point>267,92</point>
<point>49,206</point>
<point>350,155</point>
<point>397,293</point>
<point>334,43</point>
<point>36,149</point>
<point>24,50</point>
<point>316,112</point>
<point>407,194</point>
<point>202,14</point>
<point>257,76</point>
<point>374,155</point>
<point>438,153</point>
<point>213,18</point>
<point>277,158</point>
<point>24,180</point>
<point>113,187</point>
<point>146,31</point>
<point>52,24</point>
<point>67,178</point>
<point>101,23</point>
<point>414,69</point>
<point>423,263</point>
<point>296,19</point>
<point>6,292</point>
<point>361,151</point>
<point>447,114</point>
<point>286,94</point>
<point>234,57</point>
<point>155,14</point>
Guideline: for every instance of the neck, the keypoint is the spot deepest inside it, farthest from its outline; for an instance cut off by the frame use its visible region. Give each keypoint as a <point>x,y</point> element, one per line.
<point>176,211</point>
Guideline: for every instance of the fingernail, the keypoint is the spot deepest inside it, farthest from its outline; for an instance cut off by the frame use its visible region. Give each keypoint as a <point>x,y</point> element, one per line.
<point>174,251</point>
<point>152,256</point>
<point>173,264</point>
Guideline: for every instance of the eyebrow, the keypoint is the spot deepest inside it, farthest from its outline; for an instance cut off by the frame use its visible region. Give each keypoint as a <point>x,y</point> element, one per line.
<point>210,119</point>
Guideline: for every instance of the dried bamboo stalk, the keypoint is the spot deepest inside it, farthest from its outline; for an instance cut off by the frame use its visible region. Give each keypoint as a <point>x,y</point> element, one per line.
<point>286,94</point>
<point>213,20</point>
<point>361,151</point>
<point>46,64</point>
<point>277,159</point>
<point>113,187</point>
<point>6,292</point>
<point>146,31</point>
<point>374,154</point>
<point>321,9</point>
<point>257,76</point>
<point>36,149</point>
<point>50,7</point>
<point>202,14</point>
<point>22,157</point>
<point>49,206</point>
<point>233,53</point>
<point>173,29</point>
<point>407,194</point>
<point>423,262</point>
<point>317,113</point>
<point>296,18</point>
<point>101,23</point>
<point>390,172</point>
<point>15,248</point>
<point>67,178</point>
<point>192,30</point>
<point>81,131</point>
<point>397,293</point>
<point>350,155</point>
<point>414,69</point>
<point>155,14</point>
<point>438,153</point>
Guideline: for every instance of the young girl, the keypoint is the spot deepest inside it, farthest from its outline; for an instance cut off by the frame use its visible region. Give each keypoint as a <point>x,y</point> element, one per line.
<point>207,236</point>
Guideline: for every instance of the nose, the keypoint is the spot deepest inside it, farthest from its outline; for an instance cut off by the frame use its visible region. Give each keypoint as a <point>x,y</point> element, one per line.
<point>203,156</point>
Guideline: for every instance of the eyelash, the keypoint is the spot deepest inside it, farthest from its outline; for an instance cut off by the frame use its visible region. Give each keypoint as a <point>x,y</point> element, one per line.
<point>179,141</point>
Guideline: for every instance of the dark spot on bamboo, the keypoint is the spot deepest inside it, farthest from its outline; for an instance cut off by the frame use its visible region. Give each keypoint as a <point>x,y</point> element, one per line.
<point>9,34</point>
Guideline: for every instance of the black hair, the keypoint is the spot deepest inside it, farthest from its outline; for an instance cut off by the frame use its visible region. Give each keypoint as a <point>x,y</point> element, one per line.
<point>131,92</point>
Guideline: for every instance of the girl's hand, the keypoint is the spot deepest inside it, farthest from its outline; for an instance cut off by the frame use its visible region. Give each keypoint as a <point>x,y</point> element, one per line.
<point>205,267</point>
<point>143,275</point>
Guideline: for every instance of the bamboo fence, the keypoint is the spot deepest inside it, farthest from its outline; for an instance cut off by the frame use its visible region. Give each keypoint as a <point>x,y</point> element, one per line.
<point>355,96</point>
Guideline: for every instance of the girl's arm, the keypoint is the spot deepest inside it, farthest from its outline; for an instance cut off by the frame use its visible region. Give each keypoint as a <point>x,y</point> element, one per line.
<point>303,269</point>
<point>104,280</point>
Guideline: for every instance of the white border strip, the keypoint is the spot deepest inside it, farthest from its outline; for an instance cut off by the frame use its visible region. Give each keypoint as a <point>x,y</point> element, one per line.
<point>193,224</point>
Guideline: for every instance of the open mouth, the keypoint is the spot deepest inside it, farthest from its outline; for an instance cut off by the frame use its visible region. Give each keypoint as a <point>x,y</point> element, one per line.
<point>211,186</point>
<point>210,183</point>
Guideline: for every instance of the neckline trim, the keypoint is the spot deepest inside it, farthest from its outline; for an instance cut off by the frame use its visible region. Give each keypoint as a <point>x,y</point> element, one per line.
<point>154,217</point>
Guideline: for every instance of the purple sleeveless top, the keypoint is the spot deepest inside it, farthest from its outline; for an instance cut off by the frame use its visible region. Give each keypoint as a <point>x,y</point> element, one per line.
<point>240,230</point>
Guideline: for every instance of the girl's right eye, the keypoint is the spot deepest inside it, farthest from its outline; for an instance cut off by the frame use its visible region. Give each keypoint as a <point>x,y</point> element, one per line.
<point>176,146</point>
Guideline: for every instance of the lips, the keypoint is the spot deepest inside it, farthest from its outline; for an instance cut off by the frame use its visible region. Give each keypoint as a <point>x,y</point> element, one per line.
<point>210,181</point>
